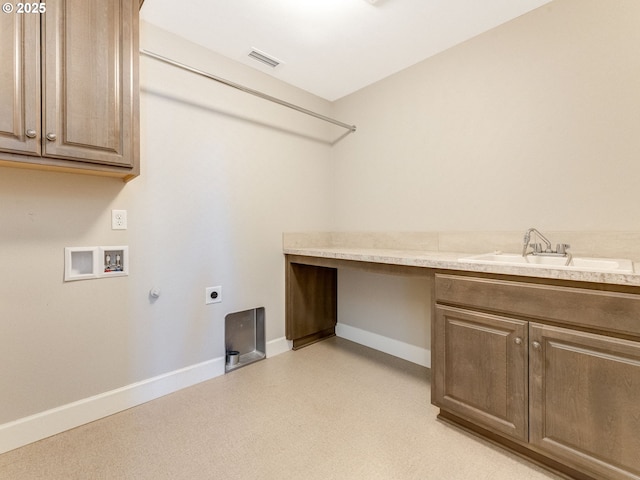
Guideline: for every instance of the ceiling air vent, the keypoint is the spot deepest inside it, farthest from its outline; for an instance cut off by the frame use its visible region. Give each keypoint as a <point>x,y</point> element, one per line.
<point>264,58</point>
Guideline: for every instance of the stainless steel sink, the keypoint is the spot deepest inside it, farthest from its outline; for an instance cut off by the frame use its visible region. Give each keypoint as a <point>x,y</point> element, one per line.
<point>588,264</point>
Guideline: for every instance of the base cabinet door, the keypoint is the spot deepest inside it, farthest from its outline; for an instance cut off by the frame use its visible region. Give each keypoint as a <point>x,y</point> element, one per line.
<point>481,369</point>
<point>585,401</point>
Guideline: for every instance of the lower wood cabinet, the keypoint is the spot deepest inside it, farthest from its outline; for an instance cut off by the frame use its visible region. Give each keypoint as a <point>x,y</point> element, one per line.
<point>554,392</point>
<point>482,369</point>
<point>584,400</point>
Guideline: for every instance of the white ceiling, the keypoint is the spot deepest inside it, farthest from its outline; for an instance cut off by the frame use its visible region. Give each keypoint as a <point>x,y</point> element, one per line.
<point>332,47</point>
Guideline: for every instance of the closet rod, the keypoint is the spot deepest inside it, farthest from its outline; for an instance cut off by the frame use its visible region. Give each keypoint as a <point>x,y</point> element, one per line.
<point>351,128</point>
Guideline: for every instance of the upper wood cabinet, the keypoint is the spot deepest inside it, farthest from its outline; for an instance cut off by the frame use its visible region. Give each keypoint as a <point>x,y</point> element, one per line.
<point>20,83</point>
<point>69,88</point>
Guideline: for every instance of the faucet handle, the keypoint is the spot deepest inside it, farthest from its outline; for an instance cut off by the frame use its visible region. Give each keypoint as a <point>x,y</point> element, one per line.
<point>537,247</point>
<point>562,248</point>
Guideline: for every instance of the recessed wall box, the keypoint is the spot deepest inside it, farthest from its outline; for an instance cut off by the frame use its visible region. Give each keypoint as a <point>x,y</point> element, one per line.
<point>84,263</point>
<point>244,338</point>
<point>80,263</point>
<point>114,261</point>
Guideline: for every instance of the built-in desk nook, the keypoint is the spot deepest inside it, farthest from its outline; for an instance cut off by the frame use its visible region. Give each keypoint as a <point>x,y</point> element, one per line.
<point>544,362</point>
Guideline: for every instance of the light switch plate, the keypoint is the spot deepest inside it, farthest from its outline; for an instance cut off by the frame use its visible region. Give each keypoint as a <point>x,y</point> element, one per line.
<point>118,219</point>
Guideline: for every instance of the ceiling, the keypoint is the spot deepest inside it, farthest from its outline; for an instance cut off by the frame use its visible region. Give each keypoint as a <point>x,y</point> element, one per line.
<point>331,48</point>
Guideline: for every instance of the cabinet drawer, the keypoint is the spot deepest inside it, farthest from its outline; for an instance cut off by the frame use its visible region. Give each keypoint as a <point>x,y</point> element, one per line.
<point>611,311</point>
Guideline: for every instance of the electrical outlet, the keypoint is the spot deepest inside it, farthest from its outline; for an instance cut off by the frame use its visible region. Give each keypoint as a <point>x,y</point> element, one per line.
<point>213,295</point>
<point>118,219</point>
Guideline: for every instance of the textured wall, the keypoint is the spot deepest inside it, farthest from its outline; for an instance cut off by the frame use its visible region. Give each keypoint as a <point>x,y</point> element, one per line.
<point>534,123</point>
<point>223,175</point>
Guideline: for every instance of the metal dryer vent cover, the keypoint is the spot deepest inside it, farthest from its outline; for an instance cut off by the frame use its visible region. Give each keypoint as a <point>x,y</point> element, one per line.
<point>264,58</point>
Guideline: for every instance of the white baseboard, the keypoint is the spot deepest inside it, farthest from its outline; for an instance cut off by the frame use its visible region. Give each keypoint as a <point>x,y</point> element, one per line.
<point>278,346</point>
<point>411,353</point>
<point>36,427</point>
<point>42,425</point>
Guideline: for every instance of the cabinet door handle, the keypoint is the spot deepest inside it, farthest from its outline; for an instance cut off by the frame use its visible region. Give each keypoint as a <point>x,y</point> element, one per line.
<point>536,345</point>
<point>51,137</point>
<point>517,340</point>
<point>31,133</point>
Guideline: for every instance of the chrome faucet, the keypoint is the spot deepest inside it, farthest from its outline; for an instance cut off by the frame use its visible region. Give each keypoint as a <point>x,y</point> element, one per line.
<point>537,248</point>
<point>560,251</point>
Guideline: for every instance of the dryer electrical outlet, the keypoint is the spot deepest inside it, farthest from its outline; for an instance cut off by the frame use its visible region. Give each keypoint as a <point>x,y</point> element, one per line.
<point>213,295</point>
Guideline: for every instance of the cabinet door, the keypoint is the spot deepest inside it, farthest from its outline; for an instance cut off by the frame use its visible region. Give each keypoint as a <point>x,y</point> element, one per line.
<point>90,79</point>
<point>480,369</point>
<point>20,83</point>
<point>585,400</point>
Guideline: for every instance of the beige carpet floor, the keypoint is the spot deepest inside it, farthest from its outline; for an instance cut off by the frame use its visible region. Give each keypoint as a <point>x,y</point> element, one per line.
<point>333,410</point>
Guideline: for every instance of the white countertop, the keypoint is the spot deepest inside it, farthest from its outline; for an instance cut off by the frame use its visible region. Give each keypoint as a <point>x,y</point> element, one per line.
<point>450,261</point>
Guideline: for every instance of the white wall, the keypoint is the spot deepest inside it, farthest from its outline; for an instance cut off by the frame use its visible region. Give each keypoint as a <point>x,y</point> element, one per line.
<point>534,123</point>
<point>223,175</point>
